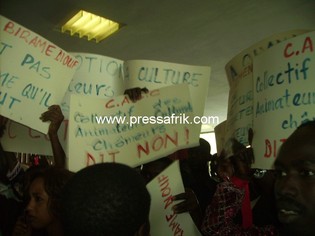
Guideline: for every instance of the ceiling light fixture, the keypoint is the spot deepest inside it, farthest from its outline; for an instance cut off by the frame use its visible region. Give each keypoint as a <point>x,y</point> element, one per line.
<point>92,26</point>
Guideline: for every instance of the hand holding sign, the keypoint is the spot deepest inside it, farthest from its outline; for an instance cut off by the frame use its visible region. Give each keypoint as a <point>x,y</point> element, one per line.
<point>55,116</point>
<point>189,204</point>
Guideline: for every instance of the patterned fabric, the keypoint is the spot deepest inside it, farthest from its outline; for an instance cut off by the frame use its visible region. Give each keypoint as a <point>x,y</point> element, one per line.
<point>226,203</point>
<point>247,216</point>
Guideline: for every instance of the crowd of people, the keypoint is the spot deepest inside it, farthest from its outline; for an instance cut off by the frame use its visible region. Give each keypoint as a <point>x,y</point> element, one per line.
<point>223,193</point>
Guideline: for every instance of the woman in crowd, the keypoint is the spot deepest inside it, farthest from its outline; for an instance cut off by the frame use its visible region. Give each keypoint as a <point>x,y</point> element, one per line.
<point>14,180</point>
<point>41,215</point>
<point>232,196</point>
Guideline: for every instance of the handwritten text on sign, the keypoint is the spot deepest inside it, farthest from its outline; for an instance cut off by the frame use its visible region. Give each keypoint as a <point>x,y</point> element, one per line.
<point>34,74</point>
<point>163,220</point>
<point>242,64</point>
<point>220,136</point>
<point>158,74</point>
<point>284,94</point>
<point>96,76</point>
<point>152,136</point>
<point>240,76</point>
<point>240,110</point>
<point>22,139</point>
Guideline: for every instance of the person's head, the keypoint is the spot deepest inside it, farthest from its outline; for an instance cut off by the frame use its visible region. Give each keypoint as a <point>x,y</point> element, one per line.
<point>225,168</point>
<point>240,157</point>
<point>203,149</point>
<point>199,156</point>
<point>295,181</point>
<point>106,199</point>
<point>43,208</point>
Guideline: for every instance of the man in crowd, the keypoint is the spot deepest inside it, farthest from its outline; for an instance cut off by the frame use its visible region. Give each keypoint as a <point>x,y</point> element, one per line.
<point>295,182</point>
<point>106,199</point>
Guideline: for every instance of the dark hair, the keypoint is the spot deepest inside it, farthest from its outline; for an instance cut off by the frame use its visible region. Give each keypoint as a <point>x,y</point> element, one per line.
<point>213,165</point>
<point>302,133</point>
<point>197,162</point>
<point>4,167</point>
<point>54,181</point>
<point>105,199</point>
<point>307,124</point>
<point>239,155</point>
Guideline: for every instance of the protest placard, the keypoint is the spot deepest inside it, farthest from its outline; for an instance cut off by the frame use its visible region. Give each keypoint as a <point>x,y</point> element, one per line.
<point>35,74</point>
<point>242,64</point>
<point>240,110</point>
<point>96,76</point>
<point>118,130</point>
<point>163,220</point>
<point>239,71</point>
<point>220,134</point>
<point>158,74</point>
<point>23,139</point>
<point>100,76</point>
<point>284,94</point>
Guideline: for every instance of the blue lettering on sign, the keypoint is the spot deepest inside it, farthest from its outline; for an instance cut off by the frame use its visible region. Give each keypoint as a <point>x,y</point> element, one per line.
<point>285,101</point>
<point>168,76</point>
<point>96,64</point>
<point>43,71</point>
<point>8,100</point>
<point>292,73</point>
<point>102,90</point>
<point>293,121</point>
<point>41,96</point>
<point>7,80</point>
<point>3,47</point>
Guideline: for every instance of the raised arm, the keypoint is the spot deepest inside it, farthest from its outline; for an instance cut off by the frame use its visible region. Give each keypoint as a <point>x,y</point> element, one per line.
<point>55,116</point>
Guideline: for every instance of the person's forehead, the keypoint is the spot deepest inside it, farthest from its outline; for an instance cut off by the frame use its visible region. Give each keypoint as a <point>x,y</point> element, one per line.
<point>37,184</point>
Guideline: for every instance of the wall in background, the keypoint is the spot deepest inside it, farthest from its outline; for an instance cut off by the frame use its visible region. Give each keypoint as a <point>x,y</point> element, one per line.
<point>210,137</point>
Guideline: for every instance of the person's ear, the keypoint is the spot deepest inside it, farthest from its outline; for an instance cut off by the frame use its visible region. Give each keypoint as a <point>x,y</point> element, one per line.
<point>144,229</point>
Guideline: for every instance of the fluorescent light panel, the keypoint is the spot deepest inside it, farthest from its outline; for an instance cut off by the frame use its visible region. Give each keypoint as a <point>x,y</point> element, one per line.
<point>92,26</point>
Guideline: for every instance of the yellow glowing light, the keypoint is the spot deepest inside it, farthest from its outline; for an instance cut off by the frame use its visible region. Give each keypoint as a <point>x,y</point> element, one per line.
<point>92,26</point>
